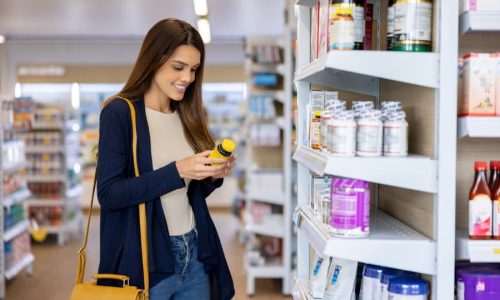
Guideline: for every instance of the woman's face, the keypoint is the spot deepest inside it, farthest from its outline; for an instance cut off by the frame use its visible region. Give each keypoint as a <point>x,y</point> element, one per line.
<point>178,72</point>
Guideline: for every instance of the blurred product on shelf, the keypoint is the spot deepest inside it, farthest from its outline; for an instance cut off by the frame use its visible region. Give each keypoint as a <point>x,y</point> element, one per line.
<point>266,54</point>
<point>476,85</point>
<point>350,208</point>
<point>362,131</point>
<point>319,274</point>
<point>479,5</point>
<point>341,280</point>
<point>412,25</point>
<point>480,205</point>
<point>342,30</point>
<point>16,250</point>
<point>262,107</point>
<point>13,216</point>
<point>477,281</point>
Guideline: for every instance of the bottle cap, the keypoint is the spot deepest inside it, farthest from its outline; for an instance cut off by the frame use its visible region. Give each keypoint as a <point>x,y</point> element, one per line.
<point>343,11</point>
<point>228,145</point>
<point>480,166</point>
<point>494,164</point>
<point>409,286</point>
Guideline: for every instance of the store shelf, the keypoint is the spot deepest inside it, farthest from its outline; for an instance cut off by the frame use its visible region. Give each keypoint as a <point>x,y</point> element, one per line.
<point>27,261</point>
<point>480,21</point>
<point>477,251</point>
<point>278,121</point>
<point>46,149</point>
<point>277,199</point>
<point>10,167</point>
<point>399,244</point>
<point>394,171</point>
<point>16,230</point>
<point>277,95</point>
<point>268,67</point>
<point>358,71</point>
<point>16,197</point>
<point>74,191</point>
<point>272,269</point>
<point>300,291</point>
<point>44,178</point>
<point>71,225</point>
<point>51,202</point>
<point>478,127</point>
<point>48,125</point>
<point>270,226</point>
<point>308,3</point>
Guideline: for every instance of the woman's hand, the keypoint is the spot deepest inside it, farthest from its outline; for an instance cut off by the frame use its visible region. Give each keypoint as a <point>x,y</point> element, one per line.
<point>229,165</point>
<point>199,166</point>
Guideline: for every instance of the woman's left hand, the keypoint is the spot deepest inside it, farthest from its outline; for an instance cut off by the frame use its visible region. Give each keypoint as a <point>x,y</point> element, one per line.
<point>228,169</point>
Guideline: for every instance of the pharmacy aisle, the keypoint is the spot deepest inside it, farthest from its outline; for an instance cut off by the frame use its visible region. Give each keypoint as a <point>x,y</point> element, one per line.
<point>56,283</point>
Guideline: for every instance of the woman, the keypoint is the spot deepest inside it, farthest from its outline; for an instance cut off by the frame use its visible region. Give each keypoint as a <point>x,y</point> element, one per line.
<point>186,260</point>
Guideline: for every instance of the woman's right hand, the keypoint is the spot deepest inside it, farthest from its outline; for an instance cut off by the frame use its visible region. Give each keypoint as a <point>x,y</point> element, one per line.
<point>199,166</point>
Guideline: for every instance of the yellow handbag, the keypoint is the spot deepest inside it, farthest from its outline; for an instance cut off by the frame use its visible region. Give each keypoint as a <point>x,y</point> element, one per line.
<point>92,291</point>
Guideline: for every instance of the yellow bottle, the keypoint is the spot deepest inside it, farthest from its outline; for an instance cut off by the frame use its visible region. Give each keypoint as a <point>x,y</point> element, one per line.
<point>223,150</point>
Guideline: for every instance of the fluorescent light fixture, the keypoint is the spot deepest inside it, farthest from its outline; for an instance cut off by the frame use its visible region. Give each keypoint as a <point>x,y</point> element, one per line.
<point>200,7</point>
<point>2,39</point>
<point>17,90</point>
<point>75,95</point>
<point>204,29</point>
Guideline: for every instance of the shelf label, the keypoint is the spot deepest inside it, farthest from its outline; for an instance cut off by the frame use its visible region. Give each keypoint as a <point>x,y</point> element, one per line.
<point>496,251</point>
<point>312,159</point>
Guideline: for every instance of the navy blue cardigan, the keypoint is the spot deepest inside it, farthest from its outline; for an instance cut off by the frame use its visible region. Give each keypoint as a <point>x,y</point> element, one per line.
<point>119,194</point>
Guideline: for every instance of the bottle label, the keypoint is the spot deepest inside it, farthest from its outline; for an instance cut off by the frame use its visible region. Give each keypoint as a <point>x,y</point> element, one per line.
<point>496,216</point>
<point>369,139</point>
<point>342,34</point>
<point>480,209</point>
<point>316,267</point>
<point>315,134</point>
<point>395,140</point>
<point>412,21</point>
<point>342,139</point>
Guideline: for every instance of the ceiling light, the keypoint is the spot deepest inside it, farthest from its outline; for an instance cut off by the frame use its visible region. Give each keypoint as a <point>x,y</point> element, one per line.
<point>2,39</point>
<point>204,29</point>
<point>200,7</point>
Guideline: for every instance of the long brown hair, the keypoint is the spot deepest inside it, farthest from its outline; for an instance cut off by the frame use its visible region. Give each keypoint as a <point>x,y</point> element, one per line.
<point>159,44</point>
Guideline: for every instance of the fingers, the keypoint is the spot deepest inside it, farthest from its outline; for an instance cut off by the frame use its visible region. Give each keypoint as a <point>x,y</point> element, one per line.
<point>205,153</point>
<point>209,161</point>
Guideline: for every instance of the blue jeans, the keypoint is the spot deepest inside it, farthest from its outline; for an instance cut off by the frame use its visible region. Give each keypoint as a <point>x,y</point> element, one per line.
<point>190,280</point>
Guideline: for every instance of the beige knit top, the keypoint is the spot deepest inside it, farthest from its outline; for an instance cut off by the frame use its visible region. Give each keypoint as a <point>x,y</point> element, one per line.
<point>168,144</point>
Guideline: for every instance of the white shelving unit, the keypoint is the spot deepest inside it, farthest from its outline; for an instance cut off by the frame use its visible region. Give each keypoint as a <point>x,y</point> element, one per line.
<point>384,170</point>
<point>480,21</point>
<point>276,226</point>
<point>68,149</point>
<point>477,251</point>
<point>12,160</point>
<point>399,243</point>
<point>474,24</point>
<point>478,127</point>
<point>390,243</point>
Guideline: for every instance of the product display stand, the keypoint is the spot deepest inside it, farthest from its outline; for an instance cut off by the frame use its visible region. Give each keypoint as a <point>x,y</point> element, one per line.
<point>268,163</point>
<point>15,253</point>
<point>391,242</point>
<point>54,173</point>
<point>477,136</point>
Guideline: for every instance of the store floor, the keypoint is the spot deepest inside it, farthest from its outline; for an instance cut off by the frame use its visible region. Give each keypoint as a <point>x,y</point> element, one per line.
<point>55,266</point>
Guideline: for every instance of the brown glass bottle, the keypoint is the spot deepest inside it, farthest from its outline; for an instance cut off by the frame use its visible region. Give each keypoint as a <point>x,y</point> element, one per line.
<point>480,205</point>
<point>496,210</point>
<point>494,172</point>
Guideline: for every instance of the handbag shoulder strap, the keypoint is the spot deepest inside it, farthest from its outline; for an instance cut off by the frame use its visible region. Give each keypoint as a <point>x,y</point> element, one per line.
<point>142,214</point>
